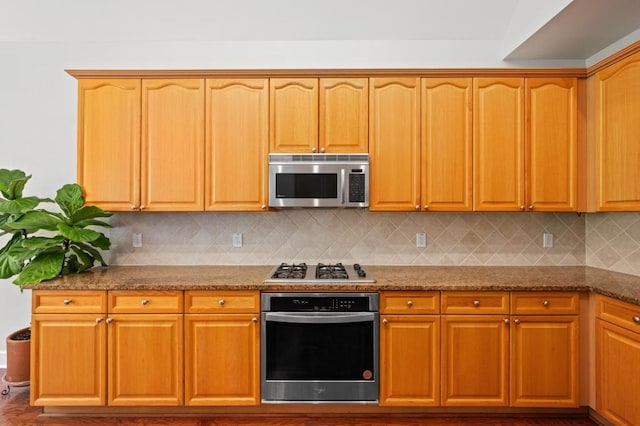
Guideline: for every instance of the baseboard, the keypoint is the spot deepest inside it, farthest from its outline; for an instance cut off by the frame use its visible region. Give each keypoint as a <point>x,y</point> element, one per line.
<point>3,359</point>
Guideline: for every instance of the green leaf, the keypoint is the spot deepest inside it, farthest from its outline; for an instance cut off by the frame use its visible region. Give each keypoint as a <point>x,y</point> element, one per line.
<point>91,251</point>
<point>33,221</point>
<point>79,235</point>
<point>86,260</point>
<point>70,199</point>
<point>42,243</point>
<point>72,266</point>
<point>12,183</point>
<point>21,205</point>
<point>45,266</point>
<point>10,264</point>
<point>102,242</point>
<point>87,212</point>
<point>92,222</point>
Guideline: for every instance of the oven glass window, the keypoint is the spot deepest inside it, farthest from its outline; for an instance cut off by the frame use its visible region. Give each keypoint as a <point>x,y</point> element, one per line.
<point>341,351</point>
<point>307,185</point>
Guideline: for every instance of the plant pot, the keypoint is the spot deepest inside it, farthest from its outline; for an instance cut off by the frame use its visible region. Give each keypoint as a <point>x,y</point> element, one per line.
<point>18,357</point>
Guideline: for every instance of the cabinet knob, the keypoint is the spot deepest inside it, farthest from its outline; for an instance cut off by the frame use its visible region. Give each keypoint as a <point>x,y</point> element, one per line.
<point>516,321</point>
<point>506,320</point>
<point>522,207</point>
<point>98,320</point>
<point>426,206</point>
<point>476,303</point>
<point>313,150</point>
<point>141,207</point>
<point>144,302</point>
<point>263,207</point>
<point>221,302</point>
<point>254,319</point>
<point>385,321</point>
<point>67,301</point>
<point>417,207</point>
<point>133,207</point>
<point>545,303</point>
<point>636,319</point>
<point>409,303</point>
<point>531,207</point>
<point>109,320</point>
<point>322,149</point>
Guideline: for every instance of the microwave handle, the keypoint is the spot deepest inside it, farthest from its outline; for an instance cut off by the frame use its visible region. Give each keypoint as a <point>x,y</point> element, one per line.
<point>343,196</point>
<point>314,318</point>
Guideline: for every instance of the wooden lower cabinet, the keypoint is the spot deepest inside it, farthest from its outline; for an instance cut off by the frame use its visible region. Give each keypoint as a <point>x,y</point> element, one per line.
<point>145,359</point>
<point>222,359</point>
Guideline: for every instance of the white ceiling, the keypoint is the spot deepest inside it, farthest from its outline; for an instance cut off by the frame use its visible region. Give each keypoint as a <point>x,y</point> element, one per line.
<point>543,31</point>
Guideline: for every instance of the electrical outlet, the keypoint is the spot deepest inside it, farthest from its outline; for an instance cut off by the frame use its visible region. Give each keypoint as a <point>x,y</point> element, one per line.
<point>137,239</point>
<point>547,240</point>
<point>421,239</point>
<point>237,239</point>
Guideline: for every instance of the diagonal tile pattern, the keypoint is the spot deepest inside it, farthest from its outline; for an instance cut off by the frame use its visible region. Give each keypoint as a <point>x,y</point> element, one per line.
<point>613,242</point>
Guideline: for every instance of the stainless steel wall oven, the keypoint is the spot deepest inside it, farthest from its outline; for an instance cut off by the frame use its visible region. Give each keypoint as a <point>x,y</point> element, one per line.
<point>319,347</point>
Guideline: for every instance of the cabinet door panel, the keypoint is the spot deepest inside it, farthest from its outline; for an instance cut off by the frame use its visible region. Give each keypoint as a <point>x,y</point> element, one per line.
<point>498,144</point>
<point>109,142</point>
<point>344,115</point>
<point>237,143</point>
<point>447,144</point>
<point>173,145</point>
<point>68,364</point>
<point>293,115</point>
<point>544,361</point>
<point>552,139</point>
<point>394,144</point>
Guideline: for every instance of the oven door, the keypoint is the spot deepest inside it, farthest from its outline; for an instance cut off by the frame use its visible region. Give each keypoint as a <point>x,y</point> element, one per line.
<point>319,357</point>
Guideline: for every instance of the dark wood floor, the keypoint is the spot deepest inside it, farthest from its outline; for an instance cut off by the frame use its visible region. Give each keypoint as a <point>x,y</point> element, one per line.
<point>15,411</point>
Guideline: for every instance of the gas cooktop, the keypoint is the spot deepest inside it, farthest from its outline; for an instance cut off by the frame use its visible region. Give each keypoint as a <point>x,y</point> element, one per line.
<point>301,273</point>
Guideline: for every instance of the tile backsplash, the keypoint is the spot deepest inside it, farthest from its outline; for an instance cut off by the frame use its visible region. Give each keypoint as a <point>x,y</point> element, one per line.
<point>354,235</point>
<point>613,242</point>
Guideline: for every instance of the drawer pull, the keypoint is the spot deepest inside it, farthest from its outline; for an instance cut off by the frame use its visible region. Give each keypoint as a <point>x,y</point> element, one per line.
<point>67,301</point>
<point>476,303</point>
<point>636,319</point>
<point>545,303</point>
<point>385,321</point>
<point>98,320</point>
<point>109,320</point>
<point>144,302</point>
<point>516,321</point>
<point>410,303</point>
<point>506,320</point>
<point>221,302</point>
<point>254,319</point>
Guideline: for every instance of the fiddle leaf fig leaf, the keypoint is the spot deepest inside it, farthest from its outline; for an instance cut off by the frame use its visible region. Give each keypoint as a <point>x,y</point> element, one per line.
<point>87,212</point>
<point>70,199</point>
<point>78,235</point>
<point>12,183</point>
<point>45,266</point>
<point>33,221</point>
<point>20,205</point>
<point>42,243</point>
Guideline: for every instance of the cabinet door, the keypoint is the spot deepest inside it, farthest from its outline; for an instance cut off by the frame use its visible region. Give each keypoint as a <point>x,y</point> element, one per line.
<point>145,359</point>
<point>544,361</point>
<point>617,110</point>
<point>172,145</point>
<point>409,360</point>
<point>109,143</point>
<point>293,115</point>
<point>237,143</point>
<point>394,144</point>
<point>617,373</point>
<point>222,359</point>
<point>498,144</point>
<point>344,115</point>
<point>552,144</point>
<point>446,144</point>
<point>475,352</point>
<point>68,359</point>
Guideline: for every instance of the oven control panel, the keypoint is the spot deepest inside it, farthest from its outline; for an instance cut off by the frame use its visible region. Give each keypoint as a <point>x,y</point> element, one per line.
<point>320,302</point>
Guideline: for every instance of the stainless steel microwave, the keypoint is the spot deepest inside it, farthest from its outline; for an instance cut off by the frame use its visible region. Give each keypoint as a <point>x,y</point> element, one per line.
<point>318,180</point>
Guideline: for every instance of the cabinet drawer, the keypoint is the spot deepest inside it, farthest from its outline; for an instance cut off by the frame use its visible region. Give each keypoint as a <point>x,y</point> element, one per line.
<point>485,302</point>
<point>621,313</point>
<point>150,302</point>
<point>222,301</point>
<point>409,302</point>
<point>73,302</point>
<point>544,303</point>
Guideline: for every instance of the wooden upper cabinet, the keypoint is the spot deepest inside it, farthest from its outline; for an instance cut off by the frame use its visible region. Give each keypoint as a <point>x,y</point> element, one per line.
<point>394,144</point>
<point>552,144</point>
<point>293,115</point>
<point>173,144</point>
<point>617,136</point>
<point>109,142</point>
<point>447,140</point>
<point>344,115</point>
<point>237,143</point>
<point>498,144</point>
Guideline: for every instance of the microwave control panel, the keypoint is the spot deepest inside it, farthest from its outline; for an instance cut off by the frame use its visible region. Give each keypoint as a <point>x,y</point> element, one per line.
<point>356,188</point>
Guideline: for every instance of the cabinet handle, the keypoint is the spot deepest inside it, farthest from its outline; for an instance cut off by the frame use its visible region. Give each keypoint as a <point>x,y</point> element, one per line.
<point>254,319</point>
<point>476,303</point>
<point>531,207</point>
<point>426,206</point>
<point>522,207</point>
<point>109,320</point>
<point>636,319</point>
<point>506,320</point>
<point>313,150</point>
<point>417,207</point>
<point>141,207</point>
<point>99,320</point>
<point>322,149</point>
<point>221,302</point>
<point>545,303</point>
<point>67,301</point>
<point>263,207</point>
<point>385,321</point>
<point>410,303</point>
<point>144,302</point>
<point>133,207</point>
<point>516,321</point>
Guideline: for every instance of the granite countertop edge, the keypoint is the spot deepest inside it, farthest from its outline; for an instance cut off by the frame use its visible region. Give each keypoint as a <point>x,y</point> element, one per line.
<point>621,286</point>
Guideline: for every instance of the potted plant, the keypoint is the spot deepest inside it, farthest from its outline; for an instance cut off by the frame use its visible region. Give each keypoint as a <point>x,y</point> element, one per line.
<point>43,244</point>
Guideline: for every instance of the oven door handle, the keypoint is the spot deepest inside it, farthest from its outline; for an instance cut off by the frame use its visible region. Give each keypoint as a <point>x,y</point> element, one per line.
<point>319,318</point>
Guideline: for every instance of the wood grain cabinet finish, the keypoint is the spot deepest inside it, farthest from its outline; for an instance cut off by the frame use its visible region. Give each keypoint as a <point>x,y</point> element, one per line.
<point>237,144</point>
<point>447,139</point>
<point>498,144</point>
<point>343,115</point>
<point>617,360</point>
<point>617,132</point>
<point>409,349</point>
<point>394,144</point>
<point>222,349</point>
<point>109,142</point>
<point>293,112</point>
